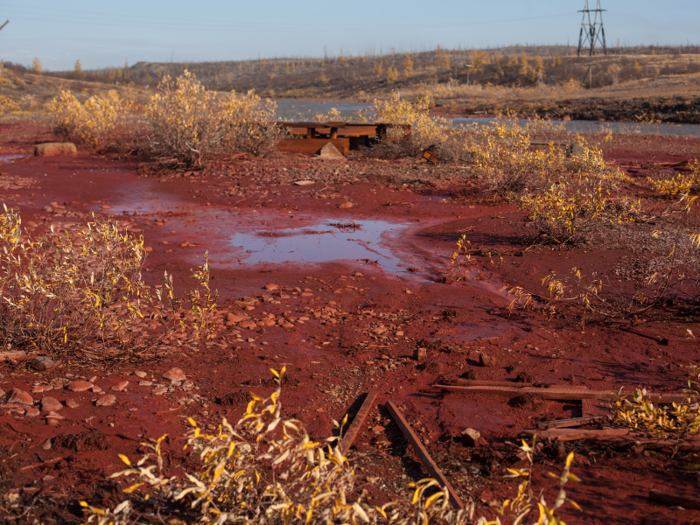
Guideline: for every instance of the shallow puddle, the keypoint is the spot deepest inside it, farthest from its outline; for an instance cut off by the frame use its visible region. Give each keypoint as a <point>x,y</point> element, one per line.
<point>319,242</point>
<point>11,157</point>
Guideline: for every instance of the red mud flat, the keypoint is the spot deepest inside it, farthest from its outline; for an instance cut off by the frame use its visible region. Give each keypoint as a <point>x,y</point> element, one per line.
<point>343,320</point>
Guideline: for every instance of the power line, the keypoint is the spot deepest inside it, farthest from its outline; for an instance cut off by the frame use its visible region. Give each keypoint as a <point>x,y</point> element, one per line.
<point>592,31</point>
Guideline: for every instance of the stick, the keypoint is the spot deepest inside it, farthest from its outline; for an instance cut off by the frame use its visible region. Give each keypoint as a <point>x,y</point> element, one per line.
<point>428,462</point>
<point>560,393</point>
<point>674,499</point>
<point>357,423</point>
<point>49,462</point>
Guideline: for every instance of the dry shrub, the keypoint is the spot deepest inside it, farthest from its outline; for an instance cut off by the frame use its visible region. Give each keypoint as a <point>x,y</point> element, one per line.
<point>680,184</point>
<point>247,124</point>
<point>187,123</point>
<point>181,119</point>
<point>679,420</point>
<point>7,105</point>
<point>266,470</point>
<point>62,291</point>
<point>91,122</point>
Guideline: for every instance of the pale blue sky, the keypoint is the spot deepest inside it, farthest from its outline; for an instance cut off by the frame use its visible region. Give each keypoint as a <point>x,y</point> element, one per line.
<point>105,34</point>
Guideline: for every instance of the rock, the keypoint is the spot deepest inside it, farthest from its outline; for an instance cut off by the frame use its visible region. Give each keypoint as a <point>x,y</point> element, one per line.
<point>233,319</point>
<point>120,386</point>
<point>145,383</point>
<point>329,151</point>
<point>71,403</point>
<point>420,354</point>
<point>2,393</point>
<point>272,287</point>
<point>487,361</point>
<point>471,437</point>
<point>346,205</point>
<point>96,389</point>
<point>140,374</point>
<point>46,445</point>
<point>79,386</point>
<point>53,149</point>
<point>19,397</point>
<point>32,412</point>
<point>50,404</point>
<point>54,415</point>
<point>42,363</point>
<point>378,429</point>
<point>524,377</point>
<point>160,390</point>
<point>41,388</point>
<point>175,374</point>
<point>304,183</point>
<point>106,401</point>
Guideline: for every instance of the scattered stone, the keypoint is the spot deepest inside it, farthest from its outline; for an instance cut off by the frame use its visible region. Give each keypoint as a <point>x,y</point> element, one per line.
<point>42,363</point>
<point>470,437</point>
<point>145,383</point>
<point>272,287</point>
<point>53,416</point>
<point>106,401</point>
<point>528,401</point>
<point>32,412</point>
<point>86,440</point>
<point>2,393</point>
<point>469,374</point>
<point>524,377</point>
<point>42,388</point>
<point>346,205</point>
<point>46,445</point>
<point>304,183</point>
<point>408,292</point>
<point>19,397</point>
<point>140,374</point>
<point>378,429</point>
<point>329,151</point>
<point>96,389</point>
<point>71,403</point>
<point>420,354</point>
<point>119,387</point>
<point>50,404</point>
<point>53,149</point>
<point>160,390</point>
<point>175,374</point>
<point>233,319</point>
<point>79,386</point>
<point>487,361</point>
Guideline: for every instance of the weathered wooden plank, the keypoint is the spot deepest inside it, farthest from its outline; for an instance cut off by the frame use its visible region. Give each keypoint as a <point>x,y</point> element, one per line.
<point>558,393</point>
<point>313,146</point>
<point>569,423</point>
<point>615,436</point>
<point>428,462</point>
<point>349,437</point>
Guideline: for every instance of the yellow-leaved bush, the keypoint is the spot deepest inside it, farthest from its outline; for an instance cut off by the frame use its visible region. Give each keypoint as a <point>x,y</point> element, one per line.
<point>65,289</point>
<point>91,122</point>
<point>266,469</point>
<point>187,122</point>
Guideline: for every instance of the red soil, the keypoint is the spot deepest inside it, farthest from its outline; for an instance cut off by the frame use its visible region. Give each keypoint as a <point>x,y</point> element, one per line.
<point>335,358</point>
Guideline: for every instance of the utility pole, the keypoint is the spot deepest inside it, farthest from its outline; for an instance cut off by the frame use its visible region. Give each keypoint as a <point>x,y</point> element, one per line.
<point>592,31</point>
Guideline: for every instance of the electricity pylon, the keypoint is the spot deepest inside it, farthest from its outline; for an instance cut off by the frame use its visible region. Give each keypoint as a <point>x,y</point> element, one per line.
<point>592,31</point>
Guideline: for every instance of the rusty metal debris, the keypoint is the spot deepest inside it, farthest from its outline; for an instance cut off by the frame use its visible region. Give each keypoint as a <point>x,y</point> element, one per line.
<point>343,135</point>
<point>428,462</point>
<point>354,428</point>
